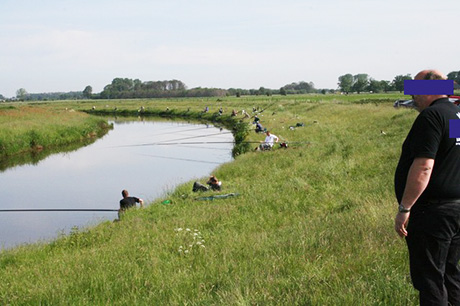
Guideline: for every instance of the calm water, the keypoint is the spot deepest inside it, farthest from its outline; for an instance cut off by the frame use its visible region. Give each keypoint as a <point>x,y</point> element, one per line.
<point>128,157</point>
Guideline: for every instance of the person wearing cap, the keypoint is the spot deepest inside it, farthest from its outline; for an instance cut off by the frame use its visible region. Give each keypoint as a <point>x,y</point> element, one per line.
<point>427,188</point>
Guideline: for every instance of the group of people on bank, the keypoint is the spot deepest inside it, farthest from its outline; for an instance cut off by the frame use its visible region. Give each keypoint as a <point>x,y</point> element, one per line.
<point>129,201</point>
<point>427,188</point>
<point>270,139</point>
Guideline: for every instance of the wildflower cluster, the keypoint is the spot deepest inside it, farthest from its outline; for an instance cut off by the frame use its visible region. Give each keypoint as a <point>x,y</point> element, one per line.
<point>191,241</point>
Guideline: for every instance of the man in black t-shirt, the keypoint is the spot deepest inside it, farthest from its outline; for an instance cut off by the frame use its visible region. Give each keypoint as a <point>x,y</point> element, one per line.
<point>427,187</point>
<point>128,202</point>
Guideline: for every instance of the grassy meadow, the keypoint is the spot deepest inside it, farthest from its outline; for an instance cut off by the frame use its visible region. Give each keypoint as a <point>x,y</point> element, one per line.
<point>28,128</point>
<point>312,225</point>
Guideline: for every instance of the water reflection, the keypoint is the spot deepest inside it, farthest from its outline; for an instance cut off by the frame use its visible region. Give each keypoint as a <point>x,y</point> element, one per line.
<point>148,158</point>
<point>34,157</point>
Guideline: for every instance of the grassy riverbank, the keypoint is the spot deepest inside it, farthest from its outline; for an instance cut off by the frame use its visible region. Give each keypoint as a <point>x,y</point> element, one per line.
<point>26,128</point>
<point>312,224</point>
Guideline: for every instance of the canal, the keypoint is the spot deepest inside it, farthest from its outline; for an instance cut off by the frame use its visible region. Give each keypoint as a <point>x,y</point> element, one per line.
<point>146,157</point>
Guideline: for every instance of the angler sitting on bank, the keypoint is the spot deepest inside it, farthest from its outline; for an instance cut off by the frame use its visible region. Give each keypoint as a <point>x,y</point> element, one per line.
<point>259,128</point>
<point>270,140</point>
<point>213,182</point>
<point>128,202</point>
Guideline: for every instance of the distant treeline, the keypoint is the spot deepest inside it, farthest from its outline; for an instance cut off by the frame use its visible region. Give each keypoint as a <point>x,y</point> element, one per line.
<point>23,95</point>
<point>291,89</point>
<point>362,82</point>
<point>125,88</point>
<point>73,95</point>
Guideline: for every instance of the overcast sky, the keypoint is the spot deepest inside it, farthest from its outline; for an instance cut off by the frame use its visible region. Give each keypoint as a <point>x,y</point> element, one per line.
<point>65,45</point>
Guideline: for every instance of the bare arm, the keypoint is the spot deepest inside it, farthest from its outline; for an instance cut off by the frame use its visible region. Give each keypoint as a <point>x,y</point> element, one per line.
<point>417,180</point>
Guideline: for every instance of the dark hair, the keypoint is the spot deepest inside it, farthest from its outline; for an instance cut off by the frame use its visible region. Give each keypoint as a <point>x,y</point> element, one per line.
<point>212,180</point>
<point>124,193</point>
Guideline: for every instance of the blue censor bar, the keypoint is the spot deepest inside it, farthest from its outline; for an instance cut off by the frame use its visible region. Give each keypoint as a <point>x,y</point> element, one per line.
<point>454,128</point>
<point>428,87</point>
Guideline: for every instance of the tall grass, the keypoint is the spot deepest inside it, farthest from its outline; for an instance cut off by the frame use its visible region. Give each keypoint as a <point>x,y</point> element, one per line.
<point>312,224</point>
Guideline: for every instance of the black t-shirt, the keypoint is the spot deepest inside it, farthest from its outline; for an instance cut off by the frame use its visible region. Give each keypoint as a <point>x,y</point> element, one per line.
<point>128,202</point>
<point>429,137</point>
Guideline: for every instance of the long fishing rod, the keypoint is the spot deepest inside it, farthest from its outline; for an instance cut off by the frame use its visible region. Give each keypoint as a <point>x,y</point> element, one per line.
<point>206,142</point>
<point>260,112</point>
<point>169,141</point>
<point>183,159</point>
<point>186,143</point>
<point>56,209</point>
<point>204,148</point>
<point>200,136</point>
<point>179,131</point>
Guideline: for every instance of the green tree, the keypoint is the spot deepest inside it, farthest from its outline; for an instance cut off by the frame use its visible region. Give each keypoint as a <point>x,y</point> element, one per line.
<point>301,87</point>
<point>360,82</point>
<point>177,85</point>
<point>455,76</point>
<point>398,81</point>
<point>107,92</point>
<point>283,91</point>
<point>120,84</point>
<point>21,94</point>
<point>88,92</point>
<point>345,83</point>
<point>137,84</point>
<point>304,87</point>
<point>386,86</point>
<point>375,86</point>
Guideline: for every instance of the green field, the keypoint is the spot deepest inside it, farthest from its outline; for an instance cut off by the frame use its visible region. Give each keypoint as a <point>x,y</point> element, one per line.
<point>31,128</point>
<point>313,224</point>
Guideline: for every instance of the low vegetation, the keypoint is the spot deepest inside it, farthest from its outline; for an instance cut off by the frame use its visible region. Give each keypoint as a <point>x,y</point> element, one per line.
<point>312,225</point>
